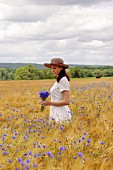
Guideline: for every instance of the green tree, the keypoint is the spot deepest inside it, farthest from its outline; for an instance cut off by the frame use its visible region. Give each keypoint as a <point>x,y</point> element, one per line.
<point>76,72</point>
<point>3,74</point>
<point>47,74</point>
<point>27,72</point>
<point>98,73</point>
<point>108,72</point>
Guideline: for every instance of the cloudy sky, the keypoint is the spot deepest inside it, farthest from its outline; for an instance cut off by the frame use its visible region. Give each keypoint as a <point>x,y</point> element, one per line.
<point>34,31</point>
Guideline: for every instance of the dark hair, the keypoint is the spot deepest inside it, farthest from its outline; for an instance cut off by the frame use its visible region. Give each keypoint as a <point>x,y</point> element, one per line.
<point>63,74</point>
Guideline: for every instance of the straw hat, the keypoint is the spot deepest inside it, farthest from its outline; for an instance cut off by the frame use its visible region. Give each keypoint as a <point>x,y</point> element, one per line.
<point>57,62</point>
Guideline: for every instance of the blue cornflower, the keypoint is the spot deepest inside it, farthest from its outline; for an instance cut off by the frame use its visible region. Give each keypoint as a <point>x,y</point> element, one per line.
<point>22,163</point>
<point>85,133</point>
<point>25,154</point>
<point>83,137</point>
<point>19,159</point>
<point>30,152</point>
<point>50,154</point>
<point>39,154</point>
<point>61,128</point>
<point>4,135</point>
<point>9,160</point>
<point>39,130</point>
<point>4,153</point>
<point>82,107</point>
<point>28,160</point>
<point>80,154</point>
<point>42,137</point>
<point>35,165</point>
<point>62,148</point>
<point>13,137</point>
<point>74,157</point>
<point>44,94</point>
<point>88,140</point>
<point>35,155</point>
<point>102,143</point>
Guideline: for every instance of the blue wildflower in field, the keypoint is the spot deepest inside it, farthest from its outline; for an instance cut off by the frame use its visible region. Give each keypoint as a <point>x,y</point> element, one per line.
<point>62,148</point>
<point>43,95</point>
<point>74,157</point>
<point>80,154</point>
<point>88,140</point>
<point>102,143</point>
<point>50,154</point>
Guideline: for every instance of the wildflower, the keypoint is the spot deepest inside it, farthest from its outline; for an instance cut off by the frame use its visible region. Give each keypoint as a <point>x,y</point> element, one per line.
<point>35,165</point>
<point>74,157</point>
<point>62,148</point>
<point>25,137</point>
<point>4,135</point>
<point>19,159</point>
<point>44,146</point>
<point>82,107</point>
<point>43,95</point>
<point>38,154</point>
<point>83,137</point>
<point>39,130</point>
<point>25,154</point>
<point>13,137</point>
<point>61,127</point>
<point>4,153</point>
<point>35,155</point>
<point>85,133</point>
<point>102,143</point>
<point>75,141</point>
<point>88,144</point>
<point>80,154</point>
<point>88,140</point>
<point>79,140</point>
<point>28,161</point>
<point>9,160</point>
<point>30,152</point>
<point>22,163</point>
<point>38,146</point>
<point>50,154</point>
<point>106,159</point>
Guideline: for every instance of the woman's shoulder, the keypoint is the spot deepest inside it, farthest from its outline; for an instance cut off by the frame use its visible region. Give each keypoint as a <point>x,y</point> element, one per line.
<point>64,80</point>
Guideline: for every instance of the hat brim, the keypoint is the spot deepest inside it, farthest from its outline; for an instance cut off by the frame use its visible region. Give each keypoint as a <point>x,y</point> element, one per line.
<point>60,65</point>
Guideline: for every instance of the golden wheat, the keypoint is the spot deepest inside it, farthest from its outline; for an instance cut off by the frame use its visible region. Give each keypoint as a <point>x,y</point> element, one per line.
<point>29,141</point>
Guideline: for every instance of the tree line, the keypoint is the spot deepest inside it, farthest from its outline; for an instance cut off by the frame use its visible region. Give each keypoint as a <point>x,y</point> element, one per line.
<point>30,72</point>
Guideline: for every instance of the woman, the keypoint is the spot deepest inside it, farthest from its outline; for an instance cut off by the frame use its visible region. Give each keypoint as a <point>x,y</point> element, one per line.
<point>59,110</point>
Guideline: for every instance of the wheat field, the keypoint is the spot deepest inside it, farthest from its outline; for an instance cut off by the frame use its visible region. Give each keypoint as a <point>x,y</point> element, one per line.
<point>29,141</point>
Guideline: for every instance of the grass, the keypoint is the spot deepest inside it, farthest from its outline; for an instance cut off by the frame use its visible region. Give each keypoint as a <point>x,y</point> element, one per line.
<point>29,141</point>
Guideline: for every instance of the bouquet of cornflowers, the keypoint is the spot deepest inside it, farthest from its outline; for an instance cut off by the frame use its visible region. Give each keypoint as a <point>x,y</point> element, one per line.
<point>43,95</point>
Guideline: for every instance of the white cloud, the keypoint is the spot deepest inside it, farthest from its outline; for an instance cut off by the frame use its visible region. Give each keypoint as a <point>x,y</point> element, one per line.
<point>32,31</point>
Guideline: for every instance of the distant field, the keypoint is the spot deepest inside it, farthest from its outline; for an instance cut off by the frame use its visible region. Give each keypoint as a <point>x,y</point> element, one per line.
<point>29,141</point>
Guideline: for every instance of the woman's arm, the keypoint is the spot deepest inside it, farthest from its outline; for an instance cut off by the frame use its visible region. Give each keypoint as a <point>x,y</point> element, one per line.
<point>63,102</point>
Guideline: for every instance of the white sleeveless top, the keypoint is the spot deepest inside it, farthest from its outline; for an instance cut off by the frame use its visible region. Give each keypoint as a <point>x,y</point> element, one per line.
<point>59,113</point>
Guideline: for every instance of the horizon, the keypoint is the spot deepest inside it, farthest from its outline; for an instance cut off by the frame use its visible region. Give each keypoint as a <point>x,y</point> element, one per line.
<point>69,64</point>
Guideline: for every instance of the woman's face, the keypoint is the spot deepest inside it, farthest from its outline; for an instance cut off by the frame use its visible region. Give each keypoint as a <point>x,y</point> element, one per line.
<point>56,70</point>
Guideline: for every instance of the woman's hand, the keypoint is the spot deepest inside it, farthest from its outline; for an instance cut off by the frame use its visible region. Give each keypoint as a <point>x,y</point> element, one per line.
<point>45,103</point>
